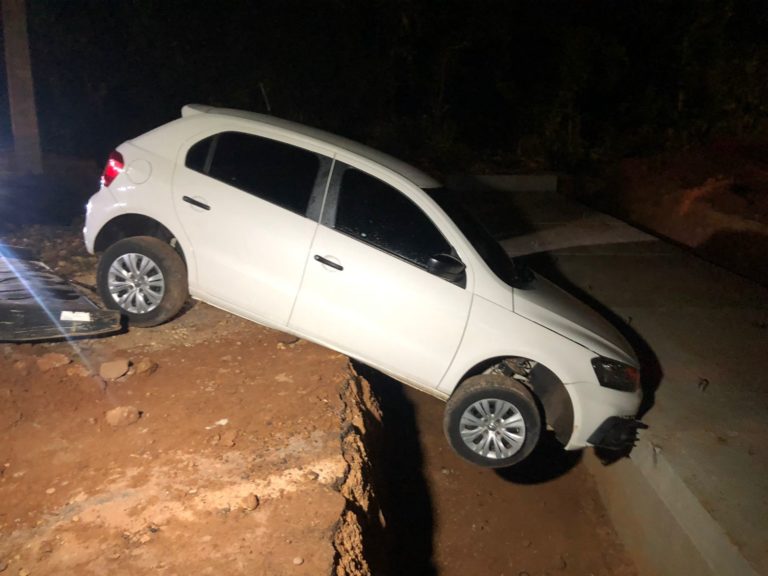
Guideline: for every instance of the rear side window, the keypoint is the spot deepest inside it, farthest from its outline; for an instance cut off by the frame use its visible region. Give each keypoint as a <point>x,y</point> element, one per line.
<point>276,172</point>
<point>378,214</point>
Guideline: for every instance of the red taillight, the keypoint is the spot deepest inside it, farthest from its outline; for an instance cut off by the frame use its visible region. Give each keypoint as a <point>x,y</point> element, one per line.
<point>114,167</point>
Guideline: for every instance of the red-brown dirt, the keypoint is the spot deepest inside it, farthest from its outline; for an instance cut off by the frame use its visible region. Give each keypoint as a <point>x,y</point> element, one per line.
<point>234,466</point>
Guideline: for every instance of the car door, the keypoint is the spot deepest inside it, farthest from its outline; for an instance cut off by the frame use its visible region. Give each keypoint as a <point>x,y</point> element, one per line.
<point>244,201</point>
<point>366,289</point>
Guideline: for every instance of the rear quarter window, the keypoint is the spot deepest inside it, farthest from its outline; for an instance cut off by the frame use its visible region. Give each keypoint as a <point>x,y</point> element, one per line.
<point>273,171</point>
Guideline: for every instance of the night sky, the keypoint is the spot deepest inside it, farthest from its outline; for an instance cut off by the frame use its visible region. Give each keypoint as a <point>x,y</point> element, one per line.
<point>450,84</point>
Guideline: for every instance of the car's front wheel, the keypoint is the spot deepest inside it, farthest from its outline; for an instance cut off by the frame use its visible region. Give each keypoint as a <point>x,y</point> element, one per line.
<point>144,278</point>
<point>492,421</point>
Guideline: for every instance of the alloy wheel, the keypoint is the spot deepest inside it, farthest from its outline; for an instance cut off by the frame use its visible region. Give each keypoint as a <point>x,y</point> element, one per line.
<point>136,283</point>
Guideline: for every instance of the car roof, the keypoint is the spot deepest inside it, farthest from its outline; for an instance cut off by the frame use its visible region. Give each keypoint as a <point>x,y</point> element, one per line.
<point>418,177</point>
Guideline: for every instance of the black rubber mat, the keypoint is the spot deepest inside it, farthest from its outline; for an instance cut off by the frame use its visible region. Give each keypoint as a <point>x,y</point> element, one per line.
<point>36,304</point>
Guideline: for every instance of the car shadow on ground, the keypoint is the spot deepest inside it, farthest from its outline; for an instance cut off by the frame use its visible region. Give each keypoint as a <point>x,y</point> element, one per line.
<point>547,462</point>
<point>740,251</point>
<point>402,488</point>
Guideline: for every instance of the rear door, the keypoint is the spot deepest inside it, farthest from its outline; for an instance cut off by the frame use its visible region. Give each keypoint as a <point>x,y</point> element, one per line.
<point>249,206</point>
<point>366,290</point>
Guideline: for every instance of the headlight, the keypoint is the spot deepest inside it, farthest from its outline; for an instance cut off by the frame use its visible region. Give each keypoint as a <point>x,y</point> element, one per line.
<point>616,375</point>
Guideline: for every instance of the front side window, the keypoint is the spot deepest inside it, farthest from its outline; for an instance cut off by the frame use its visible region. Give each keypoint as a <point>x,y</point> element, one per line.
<point>378,214</point>
<point>274,171</point>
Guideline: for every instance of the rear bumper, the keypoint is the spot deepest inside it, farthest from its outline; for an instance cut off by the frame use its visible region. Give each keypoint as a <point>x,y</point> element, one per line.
<point>616,433</point>
<point>100,208</point>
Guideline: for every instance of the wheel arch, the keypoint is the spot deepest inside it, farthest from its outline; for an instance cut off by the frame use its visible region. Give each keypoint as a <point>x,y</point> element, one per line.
<point>128,225</point>
<point>547,388</point>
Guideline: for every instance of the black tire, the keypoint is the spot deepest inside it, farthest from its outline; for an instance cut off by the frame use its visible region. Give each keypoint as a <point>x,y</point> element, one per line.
<point>147,304</point>
<point>502,447</point>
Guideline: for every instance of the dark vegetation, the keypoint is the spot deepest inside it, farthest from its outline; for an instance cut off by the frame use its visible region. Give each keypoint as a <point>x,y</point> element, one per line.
<point>454,85</point>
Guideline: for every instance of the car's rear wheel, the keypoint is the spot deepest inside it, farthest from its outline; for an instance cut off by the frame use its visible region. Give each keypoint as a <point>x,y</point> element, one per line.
<point>144,278</point>
<point>492,421</point>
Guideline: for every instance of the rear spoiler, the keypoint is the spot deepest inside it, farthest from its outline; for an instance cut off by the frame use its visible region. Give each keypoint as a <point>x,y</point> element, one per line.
<point>194,109</point>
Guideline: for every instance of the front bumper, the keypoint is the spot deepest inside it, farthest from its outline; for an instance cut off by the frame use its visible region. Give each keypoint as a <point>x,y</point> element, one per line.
<point>617,433</point>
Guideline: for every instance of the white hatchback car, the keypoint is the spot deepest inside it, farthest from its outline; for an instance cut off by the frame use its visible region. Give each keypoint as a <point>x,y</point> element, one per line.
<point>335,242</point>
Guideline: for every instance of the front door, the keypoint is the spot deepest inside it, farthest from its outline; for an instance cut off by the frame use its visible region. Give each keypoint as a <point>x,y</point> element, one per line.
<point>366,290</point>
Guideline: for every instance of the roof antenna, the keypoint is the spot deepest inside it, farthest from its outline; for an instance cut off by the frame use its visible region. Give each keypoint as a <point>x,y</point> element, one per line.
<point>264,95</point>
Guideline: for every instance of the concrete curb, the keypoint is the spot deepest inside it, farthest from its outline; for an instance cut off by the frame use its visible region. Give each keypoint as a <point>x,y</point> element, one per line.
<point>665,527</point>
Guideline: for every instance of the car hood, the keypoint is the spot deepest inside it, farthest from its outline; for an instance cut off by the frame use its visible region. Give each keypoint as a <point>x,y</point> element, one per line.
<point>546,304</point>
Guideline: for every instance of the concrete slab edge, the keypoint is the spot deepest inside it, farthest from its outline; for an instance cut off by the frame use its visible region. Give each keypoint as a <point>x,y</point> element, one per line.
<point>507,182</point>
<point>664,526</point>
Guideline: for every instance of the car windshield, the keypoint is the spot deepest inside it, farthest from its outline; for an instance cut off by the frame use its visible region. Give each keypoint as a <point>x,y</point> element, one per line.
<point>510,270</point>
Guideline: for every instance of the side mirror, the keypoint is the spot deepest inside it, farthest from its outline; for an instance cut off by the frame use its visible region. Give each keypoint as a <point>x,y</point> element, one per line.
<point>447,267</point>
